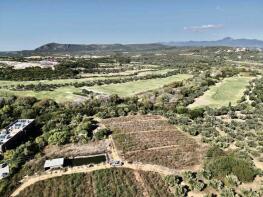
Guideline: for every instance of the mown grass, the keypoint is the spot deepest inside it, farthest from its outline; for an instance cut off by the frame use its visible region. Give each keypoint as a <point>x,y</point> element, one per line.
<point>136,87</point>
<point>65,94</point>
<point>155,72</point>
<point>58,81</point>
<point>60,95</point>
<point>229,90</point>
<point>87,77</point>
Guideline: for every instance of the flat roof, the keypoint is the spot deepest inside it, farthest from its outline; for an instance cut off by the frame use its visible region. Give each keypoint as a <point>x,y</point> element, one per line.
<point>14,128</point>
<point>54,162</point>
<point>4,171</point>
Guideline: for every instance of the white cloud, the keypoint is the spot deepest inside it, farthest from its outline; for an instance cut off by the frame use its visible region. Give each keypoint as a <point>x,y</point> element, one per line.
<point>203,28</point>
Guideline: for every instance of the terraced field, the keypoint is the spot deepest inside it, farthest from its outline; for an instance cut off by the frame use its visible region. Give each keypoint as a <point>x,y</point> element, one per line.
<point>151,139</point>
<point>136,87</point>
<point>229,90</point>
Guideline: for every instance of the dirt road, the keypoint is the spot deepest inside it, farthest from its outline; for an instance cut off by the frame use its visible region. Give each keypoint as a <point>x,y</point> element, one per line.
<point>85,169</point>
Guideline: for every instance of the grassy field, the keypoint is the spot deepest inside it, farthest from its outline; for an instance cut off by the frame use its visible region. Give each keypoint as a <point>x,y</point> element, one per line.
<point>135,87</point>
<point>62,94</point>
<point>124,73</point>
<point>155,72</point>
<point>66,93</point>
<point>87,77</point>
<point>229,90</point>
<point>58,81</point>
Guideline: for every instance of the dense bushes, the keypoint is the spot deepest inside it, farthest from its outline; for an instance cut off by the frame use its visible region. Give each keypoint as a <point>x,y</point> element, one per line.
<point>222,165</point>
<point>102,133</point>
<point>36,73</point>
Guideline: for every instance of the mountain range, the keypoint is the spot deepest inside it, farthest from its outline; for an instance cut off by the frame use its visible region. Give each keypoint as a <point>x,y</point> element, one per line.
<point>56,48</point>
<point>228,41</point>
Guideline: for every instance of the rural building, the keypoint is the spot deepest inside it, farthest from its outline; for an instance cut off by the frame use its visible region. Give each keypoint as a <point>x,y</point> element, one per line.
<point>116,163</point>
<point>4,171</point>
<point>54,163</point>
<point>15,133</point>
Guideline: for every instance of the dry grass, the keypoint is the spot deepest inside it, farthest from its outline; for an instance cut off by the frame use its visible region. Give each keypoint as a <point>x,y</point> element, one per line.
<point>70,150</point>
<point>151,139</point>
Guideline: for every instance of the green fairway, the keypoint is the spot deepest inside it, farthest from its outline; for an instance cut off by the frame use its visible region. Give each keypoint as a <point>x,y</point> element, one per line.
<point>57,81</point>
<point>155,72</point>
<point>135,87</point>
<point>62,94</point>
<point>88,77</point>
<point>229,90</point>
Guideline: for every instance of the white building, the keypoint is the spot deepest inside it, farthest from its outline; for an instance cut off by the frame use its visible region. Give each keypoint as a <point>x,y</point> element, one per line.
<point>54,163</point>
<point>4,171</point>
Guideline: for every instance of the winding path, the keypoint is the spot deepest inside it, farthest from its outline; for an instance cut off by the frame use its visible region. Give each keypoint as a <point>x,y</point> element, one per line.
<point>85,169</point>
<point>28,181</point>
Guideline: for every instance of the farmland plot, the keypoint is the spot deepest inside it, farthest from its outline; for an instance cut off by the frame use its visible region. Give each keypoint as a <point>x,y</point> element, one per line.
<point>151,139</point>
<point>108,182</point>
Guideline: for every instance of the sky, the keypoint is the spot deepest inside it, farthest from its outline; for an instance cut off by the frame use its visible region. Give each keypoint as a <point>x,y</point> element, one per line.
<point>28,24</point>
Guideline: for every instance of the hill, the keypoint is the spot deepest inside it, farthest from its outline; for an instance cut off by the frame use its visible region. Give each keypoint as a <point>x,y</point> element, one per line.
<point>57,48</point>
<point>228,41</point>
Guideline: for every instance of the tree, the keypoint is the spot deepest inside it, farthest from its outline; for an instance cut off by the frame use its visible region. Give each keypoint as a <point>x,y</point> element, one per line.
<point>102,133</point>
<point>58,138</point>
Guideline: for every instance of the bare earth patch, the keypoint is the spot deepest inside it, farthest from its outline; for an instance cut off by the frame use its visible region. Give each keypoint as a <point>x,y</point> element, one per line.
<point>151,139</point>
<point>72,150</point>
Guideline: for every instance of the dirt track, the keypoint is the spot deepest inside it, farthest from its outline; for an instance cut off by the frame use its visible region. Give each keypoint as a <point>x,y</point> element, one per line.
<point>85,169</point>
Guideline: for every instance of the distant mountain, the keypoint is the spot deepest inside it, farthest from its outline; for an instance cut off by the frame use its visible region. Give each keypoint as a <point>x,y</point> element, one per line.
<point>228,41</point>
<point>55,47</point>
<point>73,49</point>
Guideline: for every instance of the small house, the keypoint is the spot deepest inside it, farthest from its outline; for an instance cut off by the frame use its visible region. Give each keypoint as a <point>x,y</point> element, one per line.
<point>4,170</point>
<point>54,163</point>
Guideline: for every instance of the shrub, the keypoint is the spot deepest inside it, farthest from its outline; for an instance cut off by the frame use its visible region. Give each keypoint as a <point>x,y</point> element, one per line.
<point>173,180</point>
<point>199,185</point>
<point>214,152</point>
<point>216,184</point>
<point>232,181</point>
<point>250,193</point>
<point>227,192</point>
<point>180,190</point>
<point>230,164</point>
<point>102,133</point>
<point>195,113</point>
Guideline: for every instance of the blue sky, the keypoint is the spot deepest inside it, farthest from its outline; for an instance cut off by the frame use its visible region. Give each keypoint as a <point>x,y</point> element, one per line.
<point>27,24</point>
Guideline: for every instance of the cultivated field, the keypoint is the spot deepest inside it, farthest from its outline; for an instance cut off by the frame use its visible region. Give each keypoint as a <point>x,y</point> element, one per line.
<point>136,87</point>
<point>151,139</point>
<point>106,183</point>
<point>229,90</point>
